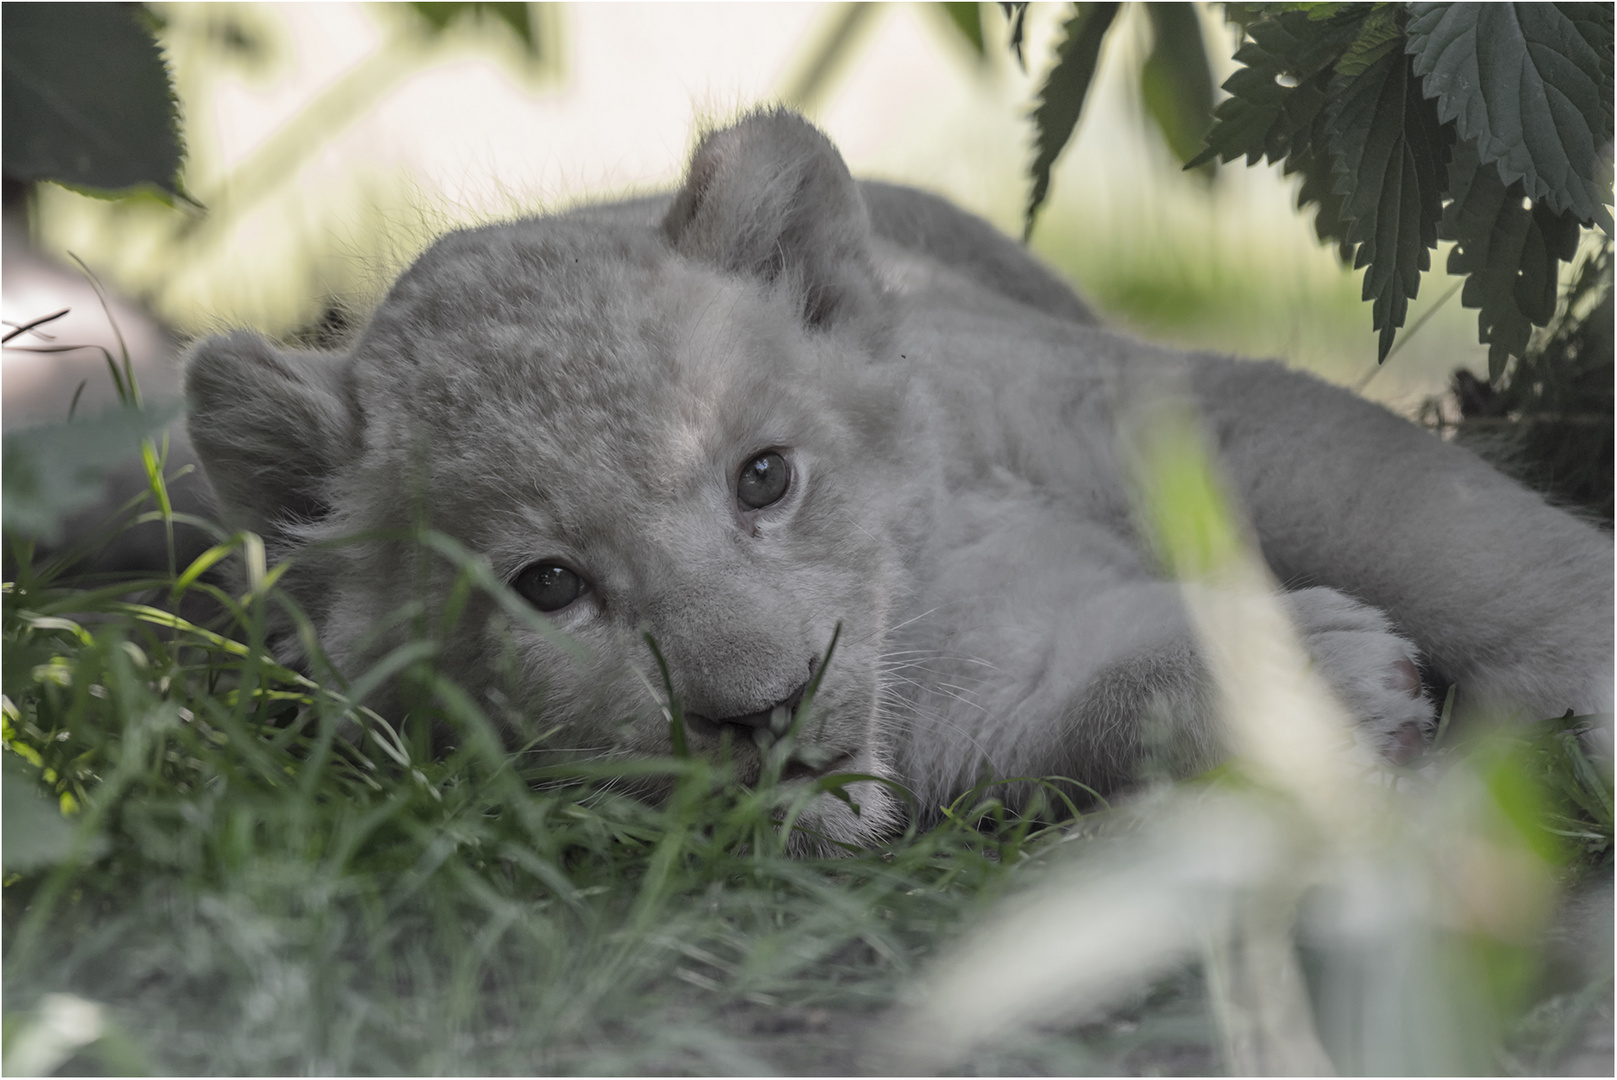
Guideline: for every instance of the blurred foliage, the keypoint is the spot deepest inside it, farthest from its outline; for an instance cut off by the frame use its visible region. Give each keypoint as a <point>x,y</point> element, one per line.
<point>1175,80</point>
<point>438,16</point>
<point>53,469</point>
<point>125,112</point>
<point>88,101</point>
<point>827,55</point>
<point>1347,920</point>
<point>1548,418</point>
<point>968,19</point>
<point>1405,131</point>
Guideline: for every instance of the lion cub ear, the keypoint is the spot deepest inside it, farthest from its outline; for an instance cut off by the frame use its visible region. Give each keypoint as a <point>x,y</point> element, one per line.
<point>770,198</point>
<point>271,427</point>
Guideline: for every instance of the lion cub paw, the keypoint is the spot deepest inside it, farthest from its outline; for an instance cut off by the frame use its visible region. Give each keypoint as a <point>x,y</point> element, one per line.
<point>1372,669</point>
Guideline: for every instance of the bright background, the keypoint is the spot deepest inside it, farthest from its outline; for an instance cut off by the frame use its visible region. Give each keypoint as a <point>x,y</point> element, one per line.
<point>340,138</point>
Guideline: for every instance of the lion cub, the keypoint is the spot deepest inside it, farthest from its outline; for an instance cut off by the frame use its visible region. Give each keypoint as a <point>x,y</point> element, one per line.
<point>783,401</point>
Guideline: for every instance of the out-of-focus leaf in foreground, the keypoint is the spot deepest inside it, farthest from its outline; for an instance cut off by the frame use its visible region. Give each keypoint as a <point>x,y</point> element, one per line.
<point>1176,83</point>
<point>968,19</point>
<point>53,469</point>
<point>87,99</point>
<point>36,834</point>
<point>1419,909</point>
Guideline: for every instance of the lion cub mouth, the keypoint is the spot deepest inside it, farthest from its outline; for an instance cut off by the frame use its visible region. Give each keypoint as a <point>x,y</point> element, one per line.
<point>759,730</point>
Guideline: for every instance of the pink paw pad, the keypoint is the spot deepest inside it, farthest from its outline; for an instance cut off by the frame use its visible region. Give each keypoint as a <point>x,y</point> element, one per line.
<point>1404,676</point>
<point>1407,742</point>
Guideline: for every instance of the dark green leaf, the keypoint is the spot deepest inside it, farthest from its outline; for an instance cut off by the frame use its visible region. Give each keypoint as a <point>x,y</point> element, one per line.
<point>1264,118</point>
<point>1309,154</point>
<point>1175,81</point>
<point>1320,11</point>
<point>36,834</point>
<point>1392,155</point>
<point>1509,254</point>
<point>1524,83</point>
<point>1378,35</point>
<point>1244,15</point>
<point>87,99</point>
<point>1593,22</point>
<point>54,469</point>
<point>1017,14</point>
<point>1260,116</point>
<point>438,16</point>
<point>1062,98</point>
<point>968,19</point>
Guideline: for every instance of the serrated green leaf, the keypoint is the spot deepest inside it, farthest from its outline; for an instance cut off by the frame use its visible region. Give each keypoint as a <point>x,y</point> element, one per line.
<point>1391,155</point>
<point>1593,22</point>
<point>1176,83</point>
<point>1298,130</point>
<point>1265,119</point>
<point>968,19</point>
<point>1254,120</point>
<point>1510,255</point>
<point>1522,81</point>
<point>1310,155</point>
<point>1378,35</point>
<point>1062,98</point>
<point>87,99</point>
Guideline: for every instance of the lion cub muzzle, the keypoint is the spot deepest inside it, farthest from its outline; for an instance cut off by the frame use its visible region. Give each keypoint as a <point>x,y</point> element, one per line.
<point>776,718</point>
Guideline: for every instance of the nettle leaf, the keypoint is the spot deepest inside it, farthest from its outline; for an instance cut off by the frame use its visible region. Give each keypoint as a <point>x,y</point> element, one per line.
<point>1176,83</point>
<point>1304,142</point>
<point>1593,22</point>
<point>87,99</point>
<point>1378,35</point>
<point>1318,190</point>
<point>1519,80</point>
<point>1392,155</point>
<point>968,19</point>
<point>1259,117</point>
<point>1509,250</point>
<point>1286,121</point>
<point>1062,98</point>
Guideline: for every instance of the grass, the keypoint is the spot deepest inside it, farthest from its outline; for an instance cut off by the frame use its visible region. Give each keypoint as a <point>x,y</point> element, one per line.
<point>261,878</point>
<point>216,864</point>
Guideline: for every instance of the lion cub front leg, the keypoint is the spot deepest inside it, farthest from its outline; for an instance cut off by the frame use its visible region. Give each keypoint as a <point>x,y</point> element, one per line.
<point>1116,713</point>
<point>1373,670</point>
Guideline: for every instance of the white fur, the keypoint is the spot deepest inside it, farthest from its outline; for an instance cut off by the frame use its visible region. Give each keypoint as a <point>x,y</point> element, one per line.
<point>585,389</point>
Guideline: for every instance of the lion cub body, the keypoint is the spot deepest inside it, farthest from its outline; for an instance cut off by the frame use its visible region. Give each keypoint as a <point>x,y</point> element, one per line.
<point>584,392</point>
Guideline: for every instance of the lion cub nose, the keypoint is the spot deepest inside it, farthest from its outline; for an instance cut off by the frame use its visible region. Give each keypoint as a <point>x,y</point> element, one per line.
<point>776,717</point>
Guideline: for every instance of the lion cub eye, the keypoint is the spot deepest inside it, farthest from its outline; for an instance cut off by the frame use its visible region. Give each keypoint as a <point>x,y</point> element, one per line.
<point>548,587</point>
<point>763,480</point>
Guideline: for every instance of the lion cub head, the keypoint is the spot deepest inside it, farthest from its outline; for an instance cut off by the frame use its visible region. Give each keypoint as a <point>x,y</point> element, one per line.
<point>688,429</point>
